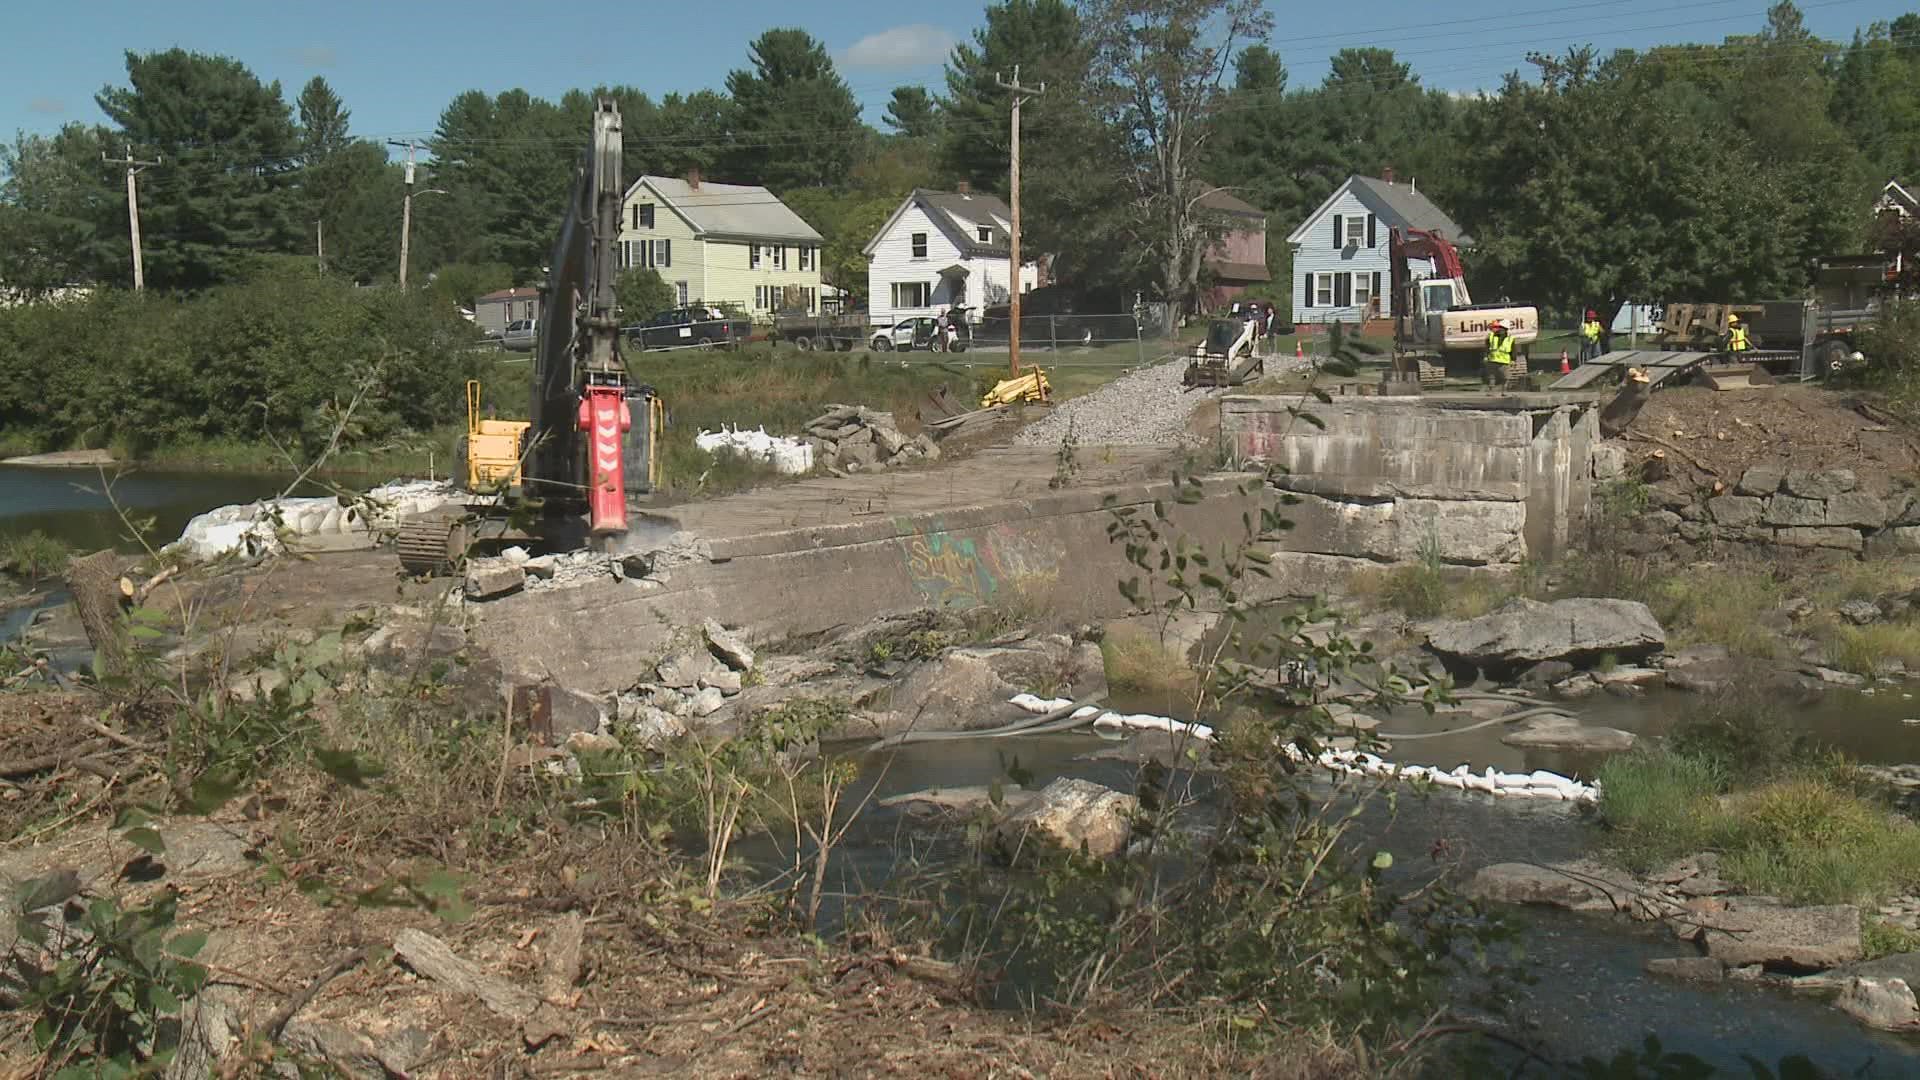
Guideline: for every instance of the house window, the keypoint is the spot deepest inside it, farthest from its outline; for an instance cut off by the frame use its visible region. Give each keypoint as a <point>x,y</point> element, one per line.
<point>643,216</point>
<point>912,294</point>
<point>807,295</point>
<point>806,258</point>
<point>663,253</point>
<point>753,256</point>
<point>1362,290</point>
<point>680,287</point>
<point>780,257</point>
<point>1356,231</point>
<point>920,247</point>
<point>986,234</point>
<point>1323,296</point>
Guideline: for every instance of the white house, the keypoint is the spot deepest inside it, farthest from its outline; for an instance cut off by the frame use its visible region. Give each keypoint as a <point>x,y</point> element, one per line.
<point>1896,199</point>
<point>942,249</point>
<point>1341,271</point>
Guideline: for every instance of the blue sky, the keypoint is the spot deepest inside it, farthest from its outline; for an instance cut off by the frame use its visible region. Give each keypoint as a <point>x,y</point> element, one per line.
<point>397,63</point>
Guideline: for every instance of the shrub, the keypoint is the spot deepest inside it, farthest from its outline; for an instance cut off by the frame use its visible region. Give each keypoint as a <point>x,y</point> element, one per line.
<point>1660,805</point>
<point>33,556</point>
<point>1746,736</point>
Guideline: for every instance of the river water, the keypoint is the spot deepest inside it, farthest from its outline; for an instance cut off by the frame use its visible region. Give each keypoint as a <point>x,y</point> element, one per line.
<point>1592,996</point>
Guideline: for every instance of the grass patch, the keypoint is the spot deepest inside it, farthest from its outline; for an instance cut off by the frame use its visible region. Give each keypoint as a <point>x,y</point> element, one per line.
<point>1881,938</point>
<point>1866,650</point>
<point>1727,607</point>
<point>1808,838</point>
<point>1139,662</point>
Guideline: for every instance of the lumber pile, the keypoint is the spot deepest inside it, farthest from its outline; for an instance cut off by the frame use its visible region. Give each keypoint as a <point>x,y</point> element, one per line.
<point>853,438</point>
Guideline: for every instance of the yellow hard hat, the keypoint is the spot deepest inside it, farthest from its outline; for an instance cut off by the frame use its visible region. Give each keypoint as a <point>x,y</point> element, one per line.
<point>1733,320</point>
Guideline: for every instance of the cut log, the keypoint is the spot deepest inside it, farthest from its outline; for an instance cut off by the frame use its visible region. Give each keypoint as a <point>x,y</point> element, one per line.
<point>94,581</point>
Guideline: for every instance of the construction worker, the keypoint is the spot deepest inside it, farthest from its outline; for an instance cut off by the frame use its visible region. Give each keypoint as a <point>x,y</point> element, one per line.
<point>1590,337</point>
<point>1499,362</point>
<point>1737,341</point>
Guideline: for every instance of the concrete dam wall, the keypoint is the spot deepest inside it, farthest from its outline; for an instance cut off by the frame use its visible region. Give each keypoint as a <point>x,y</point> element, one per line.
<point>1480,481</point>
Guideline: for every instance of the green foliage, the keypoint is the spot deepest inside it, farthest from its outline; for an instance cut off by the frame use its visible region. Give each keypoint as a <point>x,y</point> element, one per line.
<point>1807,835</point>
<point>460,284</point>
<point>792,84</point>
<point>228,146</point>
<point>280,357</point>
<point>1891,345</point>
<point>108,983</point>
<point>913,113</point>
<point>33,556</point>
<point>641,293</point>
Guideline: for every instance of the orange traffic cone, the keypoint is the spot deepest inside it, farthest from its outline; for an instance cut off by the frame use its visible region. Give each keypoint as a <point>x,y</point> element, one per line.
<point>1298,353</point>
<point>1564,367</point>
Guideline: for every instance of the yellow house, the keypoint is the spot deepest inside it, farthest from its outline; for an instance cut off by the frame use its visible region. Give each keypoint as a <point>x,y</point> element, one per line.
<point>720,243</point>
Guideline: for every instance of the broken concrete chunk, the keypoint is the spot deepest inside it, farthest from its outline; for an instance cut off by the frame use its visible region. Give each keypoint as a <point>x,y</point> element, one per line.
<point>683,670</point>
<point>542,567</point>
<point>727,682</point>
<point>707,702</point>
<point>729,645</point>
<point>486,580</point>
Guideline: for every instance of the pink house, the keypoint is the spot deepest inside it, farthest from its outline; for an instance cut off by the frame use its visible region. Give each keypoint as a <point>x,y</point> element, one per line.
<point>1237,260</point>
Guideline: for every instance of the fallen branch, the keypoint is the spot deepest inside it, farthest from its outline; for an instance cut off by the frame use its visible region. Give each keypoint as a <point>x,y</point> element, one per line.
<point>10,770</point>
<point>278,1023</point>
<point>1657,441</point>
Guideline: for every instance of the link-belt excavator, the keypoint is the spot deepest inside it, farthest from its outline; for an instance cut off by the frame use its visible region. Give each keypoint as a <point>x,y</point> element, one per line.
<point>589,443</point>
<point>1437,319</point>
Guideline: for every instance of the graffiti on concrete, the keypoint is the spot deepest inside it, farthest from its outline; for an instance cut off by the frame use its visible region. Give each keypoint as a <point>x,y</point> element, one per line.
<point>969,571</point>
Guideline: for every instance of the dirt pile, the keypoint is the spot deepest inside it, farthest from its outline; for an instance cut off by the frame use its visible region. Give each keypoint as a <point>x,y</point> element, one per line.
<point>1709,435</point>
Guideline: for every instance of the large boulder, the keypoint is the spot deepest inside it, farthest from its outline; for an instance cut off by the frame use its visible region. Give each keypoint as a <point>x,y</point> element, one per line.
<point>1076,815</point>
<point>1887,1004</point>
<point>1575,888</point>
<point>1565,733</point>
<point>1525,632</point>
<point>968,688</point>
<point>1778,936</point>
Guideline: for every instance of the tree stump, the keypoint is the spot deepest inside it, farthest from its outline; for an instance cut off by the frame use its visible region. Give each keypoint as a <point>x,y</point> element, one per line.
<point>94,581</point>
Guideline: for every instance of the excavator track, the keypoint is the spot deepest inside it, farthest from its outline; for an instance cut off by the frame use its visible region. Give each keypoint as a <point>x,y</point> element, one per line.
<point>433,544</point>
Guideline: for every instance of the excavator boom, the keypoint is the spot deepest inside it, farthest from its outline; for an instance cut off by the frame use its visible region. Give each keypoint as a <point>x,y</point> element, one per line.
<point>580,412</point>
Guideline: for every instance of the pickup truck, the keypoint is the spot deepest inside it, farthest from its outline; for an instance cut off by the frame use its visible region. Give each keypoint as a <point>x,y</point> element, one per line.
<point>697,327</point>
<point>823,332</point>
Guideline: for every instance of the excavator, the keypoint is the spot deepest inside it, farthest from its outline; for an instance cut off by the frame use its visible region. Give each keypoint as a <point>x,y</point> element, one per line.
<point>1438,320</point>
<point>570,468</point>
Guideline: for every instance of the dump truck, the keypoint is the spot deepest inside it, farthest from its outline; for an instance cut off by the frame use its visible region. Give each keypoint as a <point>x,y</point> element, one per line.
<point>1437,325</point>
<point>822,332</point>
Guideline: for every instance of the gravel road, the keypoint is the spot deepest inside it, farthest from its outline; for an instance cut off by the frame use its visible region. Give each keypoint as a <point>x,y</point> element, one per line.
<point>1141,408</point>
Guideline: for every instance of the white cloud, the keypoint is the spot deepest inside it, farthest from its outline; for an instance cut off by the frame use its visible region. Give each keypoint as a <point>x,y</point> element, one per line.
<point>918,45</point>
<point>316,55</point>
<point>47,106</point>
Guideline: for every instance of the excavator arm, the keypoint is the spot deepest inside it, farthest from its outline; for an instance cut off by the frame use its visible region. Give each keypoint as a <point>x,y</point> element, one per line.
<point>580,414</point>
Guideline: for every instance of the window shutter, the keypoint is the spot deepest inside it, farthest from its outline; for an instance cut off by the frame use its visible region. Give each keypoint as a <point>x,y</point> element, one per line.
<point>1306,295</point>
<point>1370,242</point>
<point>1376,292</point>
<point>1338,238</point>
<point>666,253</point>
<point>1342,290</point>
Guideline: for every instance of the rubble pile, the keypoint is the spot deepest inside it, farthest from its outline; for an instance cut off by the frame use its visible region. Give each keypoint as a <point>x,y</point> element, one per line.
<point>691,684</point>
<point>853,438</point>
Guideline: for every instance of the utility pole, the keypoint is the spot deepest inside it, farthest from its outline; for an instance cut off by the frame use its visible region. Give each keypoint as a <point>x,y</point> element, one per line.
<point>406,210</point>
<point>133,208</point>
<point>1020,94</point>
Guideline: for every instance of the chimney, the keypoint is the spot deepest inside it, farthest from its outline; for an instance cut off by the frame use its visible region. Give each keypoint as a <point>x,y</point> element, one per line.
<point>693,179</point>
<point>963,188</point>
<point>1387,174</point>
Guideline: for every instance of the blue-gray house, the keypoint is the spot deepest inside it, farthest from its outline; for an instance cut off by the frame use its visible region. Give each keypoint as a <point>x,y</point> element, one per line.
<point>1340,263</point>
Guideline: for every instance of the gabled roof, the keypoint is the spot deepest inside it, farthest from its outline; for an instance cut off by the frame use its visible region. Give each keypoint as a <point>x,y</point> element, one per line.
<point>728,211</point>
<point>1898,195</point>
<point>960,216</point>
<point>1227,202</point>
<point>1401,204</point>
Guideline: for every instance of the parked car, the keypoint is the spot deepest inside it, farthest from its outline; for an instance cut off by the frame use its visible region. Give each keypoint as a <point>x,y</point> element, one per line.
<point>520,335</point>
<point>922,332</point>
<point>699,326</point>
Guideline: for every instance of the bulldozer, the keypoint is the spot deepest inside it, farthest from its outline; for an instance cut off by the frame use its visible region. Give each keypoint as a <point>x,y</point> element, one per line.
<point>1437,320</point>
<point>564,475</point>
<point>1226,356</point>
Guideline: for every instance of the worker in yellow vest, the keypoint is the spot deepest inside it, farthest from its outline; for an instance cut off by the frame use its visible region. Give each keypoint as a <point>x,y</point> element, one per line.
<point>1590,337</point>
<point>1499,362</point>
<point>1737,341</point>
